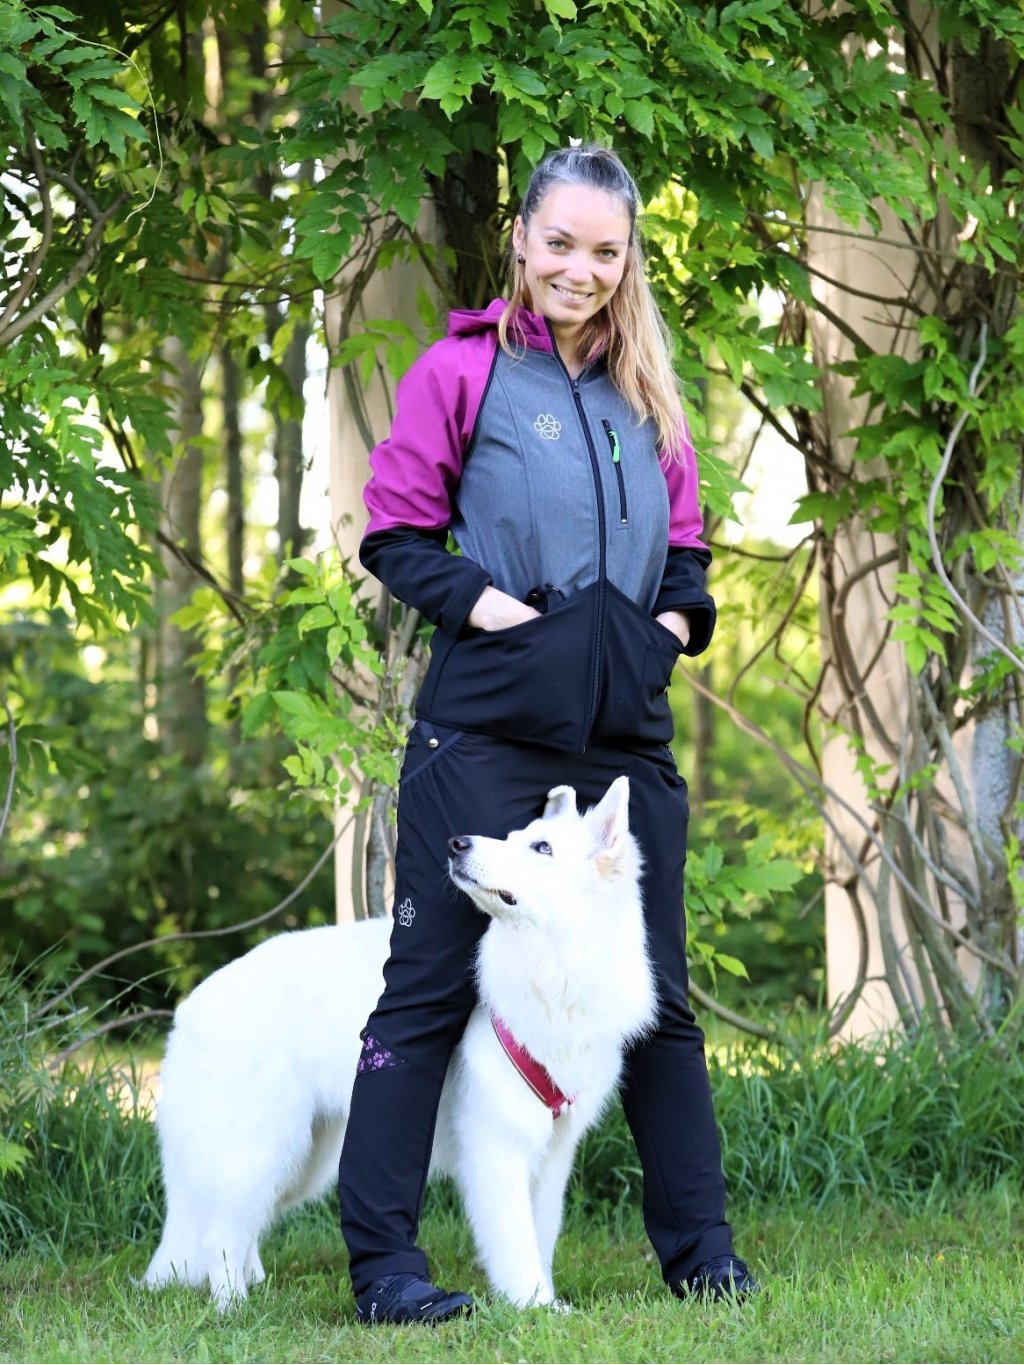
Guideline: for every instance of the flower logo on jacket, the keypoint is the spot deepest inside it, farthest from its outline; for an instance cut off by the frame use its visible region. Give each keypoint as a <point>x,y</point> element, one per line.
<point>406,913</point>
<point>548,426</point>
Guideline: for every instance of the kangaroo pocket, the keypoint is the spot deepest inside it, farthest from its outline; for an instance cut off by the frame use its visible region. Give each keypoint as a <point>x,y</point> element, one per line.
<point>532,682</point>
<point>637,658</point>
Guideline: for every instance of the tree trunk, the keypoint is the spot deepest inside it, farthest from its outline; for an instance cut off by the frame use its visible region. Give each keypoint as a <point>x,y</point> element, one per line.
<point>233,473</point>
<point>289,466</point>
<point>914,894</point>
<point>181,701</point>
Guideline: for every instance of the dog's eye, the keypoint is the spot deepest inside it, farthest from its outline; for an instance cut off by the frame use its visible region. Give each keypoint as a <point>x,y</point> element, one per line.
<point>541,846</point>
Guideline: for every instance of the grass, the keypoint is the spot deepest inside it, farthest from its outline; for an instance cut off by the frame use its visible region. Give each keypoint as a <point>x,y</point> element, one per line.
<point>935,1281</point>
<point>878,1194</point>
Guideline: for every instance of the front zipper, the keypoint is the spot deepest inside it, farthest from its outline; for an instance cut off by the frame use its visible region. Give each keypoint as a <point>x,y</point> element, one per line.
<point>613,443</point>
<point>602,531</point>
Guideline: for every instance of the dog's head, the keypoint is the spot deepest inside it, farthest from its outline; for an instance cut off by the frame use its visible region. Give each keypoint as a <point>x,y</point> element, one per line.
<point>559,862</point>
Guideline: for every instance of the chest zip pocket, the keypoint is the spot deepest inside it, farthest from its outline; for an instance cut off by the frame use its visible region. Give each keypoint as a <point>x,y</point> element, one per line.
<point>613,445</point>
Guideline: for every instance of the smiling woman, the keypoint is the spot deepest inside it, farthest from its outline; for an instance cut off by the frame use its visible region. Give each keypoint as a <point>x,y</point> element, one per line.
<point>545,433</point>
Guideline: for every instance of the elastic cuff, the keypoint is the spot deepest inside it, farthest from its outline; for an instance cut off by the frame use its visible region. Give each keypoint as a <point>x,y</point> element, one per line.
<point>461,603</point>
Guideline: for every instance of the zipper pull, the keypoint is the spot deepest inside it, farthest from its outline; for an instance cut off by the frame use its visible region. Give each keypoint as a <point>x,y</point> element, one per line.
<point>613,440</point>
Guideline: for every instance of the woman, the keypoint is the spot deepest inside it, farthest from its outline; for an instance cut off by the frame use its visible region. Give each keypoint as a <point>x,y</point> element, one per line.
<point>546,434</point>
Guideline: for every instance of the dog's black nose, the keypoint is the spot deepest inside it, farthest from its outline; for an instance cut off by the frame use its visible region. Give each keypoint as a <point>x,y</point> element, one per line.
<point>458,843</point>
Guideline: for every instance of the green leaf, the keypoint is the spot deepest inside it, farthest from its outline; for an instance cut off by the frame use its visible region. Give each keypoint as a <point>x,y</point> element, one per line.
<point>639,114</point>
<point>760,139</point>
<point>732,965</point>
<point>316,619</point>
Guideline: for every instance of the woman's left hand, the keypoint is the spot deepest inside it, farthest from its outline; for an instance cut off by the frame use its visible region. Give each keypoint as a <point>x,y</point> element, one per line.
<point>678,623</point>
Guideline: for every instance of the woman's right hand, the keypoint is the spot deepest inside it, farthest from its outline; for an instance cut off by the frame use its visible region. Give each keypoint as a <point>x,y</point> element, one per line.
<point>494,610</point>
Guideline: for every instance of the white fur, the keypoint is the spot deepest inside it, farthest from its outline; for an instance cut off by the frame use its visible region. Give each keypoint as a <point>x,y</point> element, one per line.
<point>257,1078</point>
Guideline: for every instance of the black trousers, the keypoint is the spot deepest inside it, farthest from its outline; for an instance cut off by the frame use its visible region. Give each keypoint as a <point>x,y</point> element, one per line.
<point>476,784</point>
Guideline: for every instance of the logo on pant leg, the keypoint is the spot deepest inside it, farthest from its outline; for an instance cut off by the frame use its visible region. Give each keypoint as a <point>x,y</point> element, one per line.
<point>406,913</point>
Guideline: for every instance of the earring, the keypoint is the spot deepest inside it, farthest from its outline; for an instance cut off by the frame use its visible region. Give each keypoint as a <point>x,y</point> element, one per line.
<point>521,259</point>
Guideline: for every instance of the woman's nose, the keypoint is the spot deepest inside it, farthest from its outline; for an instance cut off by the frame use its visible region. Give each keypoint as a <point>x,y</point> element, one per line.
<point>578,268</point>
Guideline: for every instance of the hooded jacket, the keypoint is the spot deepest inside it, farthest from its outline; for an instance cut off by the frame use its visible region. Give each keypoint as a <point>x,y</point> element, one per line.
<point>541,480</point>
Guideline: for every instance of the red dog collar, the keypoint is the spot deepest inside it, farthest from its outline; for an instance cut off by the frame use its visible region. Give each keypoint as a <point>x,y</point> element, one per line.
<point>533,1073</point>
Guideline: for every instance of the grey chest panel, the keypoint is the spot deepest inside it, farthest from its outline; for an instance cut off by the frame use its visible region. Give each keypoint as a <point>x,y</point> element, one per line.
<point>530,503</point>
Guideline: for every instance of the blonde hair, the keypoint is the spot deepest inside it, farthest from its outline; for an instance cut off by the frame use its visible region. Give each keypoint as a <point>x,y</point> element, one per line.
<point>629,330</point>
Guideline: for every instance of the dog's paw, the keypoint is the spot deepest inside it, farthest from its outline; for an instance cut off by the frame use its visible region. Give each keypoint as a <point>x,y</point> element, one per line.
<point>542,1296</point>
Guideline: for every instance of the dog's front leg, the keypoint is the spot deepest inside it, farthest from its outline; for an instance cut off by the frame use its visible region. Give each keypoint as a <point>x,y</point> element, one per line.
<point>549,1188</point>
<point>494,1180</point>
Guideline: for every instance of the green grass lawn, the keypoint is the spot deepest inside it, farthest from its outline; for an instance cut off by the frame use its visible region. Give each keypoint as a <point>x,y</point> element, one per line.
<point>853,1281</point>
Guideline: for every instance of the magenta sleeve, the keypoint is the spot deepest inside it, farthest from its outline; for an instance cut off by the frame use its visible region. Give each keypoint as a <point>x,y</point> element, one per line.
<point>416,470</point>
<point>686,524</point>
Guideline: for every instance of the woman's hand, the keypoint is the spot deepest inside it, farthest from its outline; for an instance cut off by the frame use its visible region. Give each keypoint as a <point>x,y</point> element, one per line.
<point>494,610</point>
<point>678,623</point>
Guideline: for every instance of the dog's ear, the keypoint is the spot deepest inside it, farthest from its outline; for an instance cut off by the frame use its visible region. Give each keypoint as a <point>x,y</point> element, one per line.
<point>561,801</point>
<point>609,820</point>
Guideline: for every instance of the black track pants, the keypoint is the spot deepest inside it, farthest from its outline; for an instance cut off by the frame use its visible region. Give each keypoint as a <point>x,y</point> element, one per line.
<point>475,784</point>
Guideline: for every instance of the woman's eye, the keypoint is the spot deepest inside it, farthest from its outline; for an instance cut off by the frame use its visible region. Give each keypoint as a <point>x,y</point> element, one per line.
<point>541,847</point>
<point>555,242</point>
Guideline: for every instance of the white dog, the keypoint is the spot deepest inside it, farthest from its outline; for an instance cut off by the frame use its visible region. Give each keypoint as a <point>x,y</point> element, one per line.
<point>257,1079</point>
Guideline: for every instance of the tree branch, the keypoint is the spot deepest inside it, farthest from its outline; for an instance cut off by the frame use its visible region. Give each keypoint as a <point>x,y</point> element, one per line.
<point>933,498</point>
<point>12,747</point>
<point>124,1021</point>
<point>90,250</point>
<point>811,785</point>
<point>739,1021</point>
<point>188,935</point>
<point>46,238</point>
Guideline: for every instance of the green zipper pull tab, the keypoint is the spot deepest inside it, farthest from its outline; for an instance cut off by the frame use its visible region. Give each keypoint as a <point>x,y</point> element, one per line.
<point>613,439</point>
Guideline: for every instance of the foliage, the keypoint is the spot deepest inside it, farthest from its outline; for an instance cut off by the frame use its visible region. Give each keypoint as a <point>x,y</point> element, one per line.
<point>180,213</point>
<point>80,1154</point>
<point>753,883</point>
<point>895,1121</point>
<point>771,104</point>
<point>128,844</point>
<point>310,674</point>
<point>66,502</point>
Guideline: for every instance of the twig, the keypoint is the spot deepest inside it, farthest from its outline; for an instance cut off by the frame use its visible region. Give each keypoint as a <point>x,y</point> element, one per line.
<point>125,1021</point>
<point>193,934</point>
<point>90,250</point>
<point>933,498</point>
<point>12,746</point>
<point>844,1006</point>
<point>811,784</point>
<point>46,237</point>
<point>739,1021</point>
<point>874,238</point>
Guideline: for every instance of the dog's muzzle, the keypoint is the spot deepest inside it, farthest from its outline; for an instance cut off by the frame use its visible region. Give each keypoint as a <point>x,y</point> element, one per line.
<point>459,845</point>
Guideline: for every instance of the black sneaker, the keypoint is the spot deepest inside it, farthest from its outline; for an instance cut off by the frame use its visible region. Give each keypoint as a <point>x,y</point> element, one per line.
<point>409,1298</point>
<point>722,1277</point>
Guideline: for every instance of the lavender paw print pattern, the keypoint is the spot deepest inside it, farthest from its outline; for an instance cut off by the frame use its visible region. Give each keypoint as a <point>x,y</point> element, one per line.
<point>406,913</point>
<point>375,1056</point>
<point>548,426</point>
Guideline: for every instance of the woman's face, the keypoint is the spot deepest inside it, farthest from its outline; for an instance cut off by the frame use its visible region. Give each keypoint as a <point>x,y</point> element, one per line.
<point>575,250</point>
